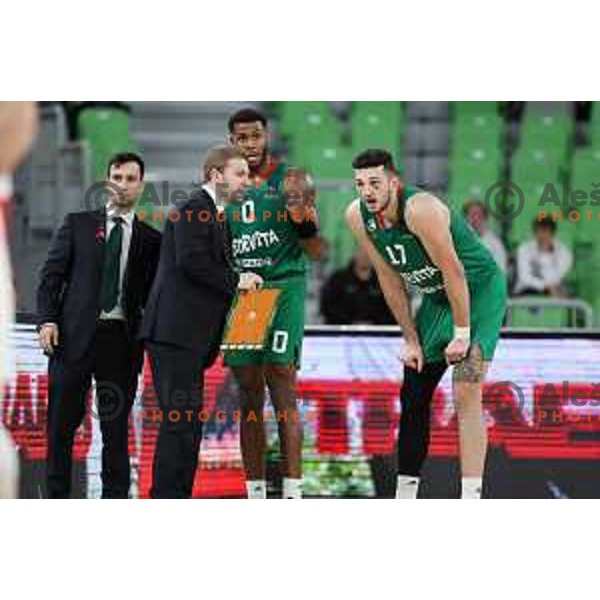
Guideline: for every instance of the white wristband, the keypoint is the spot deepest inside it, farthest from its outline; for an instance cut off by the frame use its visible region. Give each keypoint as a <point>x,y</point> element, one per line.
<point>462,333</point>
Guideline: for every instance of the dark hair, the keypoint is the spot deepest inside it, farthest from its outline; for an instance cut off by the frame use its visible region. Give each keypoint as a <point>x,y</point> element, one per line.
<point>246,115</point>
<point>126,157</point>
<point>374,158</point>
<point>475,203</point>
<point>543,223</point>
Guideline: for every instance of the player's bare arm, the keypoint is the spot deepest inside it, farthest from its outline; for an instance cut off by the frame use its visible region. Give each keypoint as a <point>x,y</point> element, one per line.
<point>429,220</point>
<point>392,286</point>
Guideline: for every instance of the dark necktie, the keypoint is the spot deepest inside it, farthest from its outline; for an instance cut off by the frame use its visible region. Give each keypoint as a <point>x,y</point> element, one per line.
<point>109,293</point>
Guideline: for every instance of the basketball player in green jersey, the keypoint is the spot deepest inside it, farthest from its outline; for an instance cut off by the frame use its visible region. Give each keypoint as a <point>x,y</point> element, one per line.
<point>273,231</point>
<point>413,238</point>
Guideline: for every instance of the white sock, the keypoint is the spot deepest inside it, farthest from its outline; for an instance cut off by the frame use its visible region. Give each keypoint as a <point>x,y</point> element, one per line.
<point>257,490</point>
<point>292,489</point>
<point>471,488</point>
<point>407,487</point>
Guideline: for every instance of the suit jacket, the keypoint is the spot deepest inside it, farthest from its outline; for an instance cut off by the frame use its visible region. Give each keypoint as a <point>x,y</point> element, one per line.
<point>69,288</point>
<point>195,282</point>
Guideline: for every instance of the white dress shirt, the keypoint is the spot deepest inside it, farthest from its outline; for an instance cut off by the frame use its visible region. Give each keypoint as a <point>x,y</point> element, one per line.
<point>128,217</point>
<point>538,269</point>
<point>211,193</point>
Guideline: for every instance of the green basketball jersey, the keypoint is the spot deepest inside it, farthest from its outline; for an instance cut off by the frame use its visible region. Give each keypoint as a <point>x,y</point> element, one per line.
<point>263,237</point>
<point>404,251</point>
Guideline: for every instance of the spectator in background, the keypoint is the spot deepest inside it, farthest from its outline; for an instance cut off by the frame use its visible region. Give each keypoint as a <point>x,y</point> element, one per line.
<point>352,296</point>
<point>477,215</point>
<point>543,263</point>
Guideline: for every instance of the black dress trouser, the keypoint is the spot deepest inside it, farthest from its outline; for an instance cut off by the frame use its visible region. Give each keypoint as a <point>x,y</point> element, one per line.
<point>179,381</point>
<point>111,363</point>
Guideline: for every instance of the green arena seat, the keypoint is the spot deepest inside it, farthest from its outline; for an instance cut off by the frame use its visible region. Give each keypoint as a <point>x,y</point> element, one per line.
<point>539,179</point>
<point>311,133</point>
<point>582,195</point>
<point>487,128</point>
<point>303,149</point>
<point>345,247</point>
<point>586,273</point>
<point>484,153</point>
<point>471,179</point>
<point>106,129</point>
<point>330,162</point>
<point>585,173</point>
<point>540,155</point>
<point>308,121</point>
<point>377,125</point>
<point>587,155</point>
<point>467,111</point>
<point>548,131</point>
<point>519,229</point>
<point>332,205</point>
<point>556,127</point>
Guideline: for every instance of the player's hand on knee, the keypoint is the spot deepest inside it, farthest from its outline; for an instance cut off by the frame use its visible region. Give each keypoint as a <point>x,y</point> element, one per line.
<point>48,337</point>
<point>250,282</point>
<point>413,356</point>
<point>457,351</point>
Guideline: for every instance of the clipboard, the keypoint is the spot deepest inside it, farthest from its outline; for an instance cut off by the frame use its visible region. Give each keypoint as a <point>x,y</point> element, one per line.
<point>250,320</point>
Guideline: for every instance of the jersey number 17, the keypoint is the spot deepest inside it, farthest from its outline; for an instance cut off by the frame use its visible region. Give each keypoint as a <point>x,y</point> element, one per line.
<point>396,254</point>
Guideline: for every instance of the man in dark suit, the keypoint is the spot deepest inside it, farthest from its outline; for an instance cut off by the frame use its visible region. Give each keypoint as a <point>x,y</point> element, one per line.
<point>91,295</point>
<point>186,313</point>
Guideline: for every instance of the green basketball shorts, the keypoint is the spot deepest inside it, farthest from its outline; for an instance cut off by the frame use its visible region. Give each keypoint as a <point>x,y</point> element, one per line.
<point>435,324</point>
<point>284,340</point>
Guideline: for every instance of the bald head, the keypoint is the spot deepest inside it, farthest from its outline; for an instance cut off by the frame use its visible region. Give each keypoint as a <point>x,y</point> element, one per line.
<point>299,185</point>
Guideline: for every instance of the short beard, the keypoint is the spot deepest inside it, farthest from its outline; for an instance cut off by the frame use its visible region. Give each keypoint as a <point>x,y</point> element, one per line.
<point>261,162</point>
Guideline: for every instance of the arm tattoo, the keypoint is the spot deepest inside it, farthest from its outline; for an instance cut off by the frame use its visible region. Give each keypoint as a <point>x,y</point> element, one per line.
<point>473,368</point>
